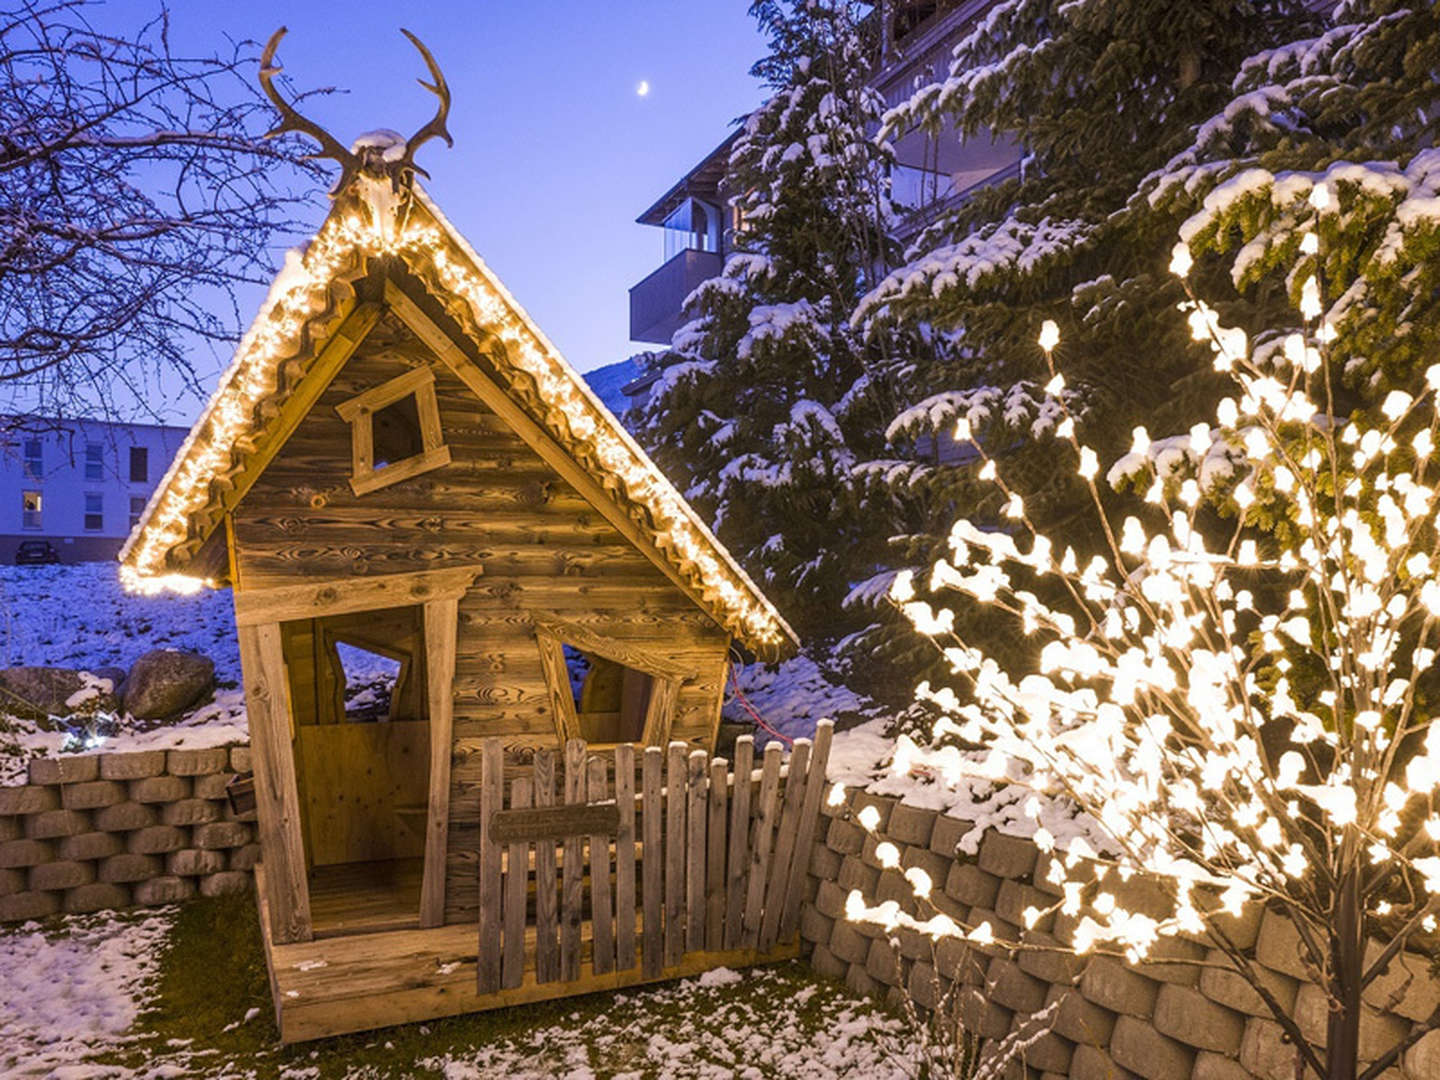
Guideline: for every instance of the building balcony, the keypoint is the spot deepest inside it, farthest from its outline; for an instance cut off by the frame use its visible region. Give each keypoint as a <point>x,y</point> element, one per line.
<point>657,303</point>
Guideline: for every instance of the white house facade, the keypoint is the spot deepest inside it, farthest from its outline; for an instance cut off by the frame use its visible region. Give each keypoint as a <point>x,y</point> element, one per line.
<point>80,484</point>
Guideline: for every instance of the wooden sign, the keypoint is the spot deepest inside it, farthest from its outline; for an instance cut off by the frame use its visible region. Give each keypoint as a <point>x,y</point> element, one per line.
<point>554,822</point>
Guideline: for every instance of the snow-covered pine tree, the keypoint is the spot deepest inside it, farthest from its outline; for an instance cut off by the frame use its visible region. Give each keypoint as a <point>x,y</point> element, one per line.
<point>768,395</point>
<point>1101,94</point>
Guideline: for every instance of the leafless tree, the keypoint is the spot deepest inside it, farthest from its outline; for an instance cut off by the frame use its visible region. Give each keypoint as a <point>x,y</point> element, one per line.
<point>138,196</point>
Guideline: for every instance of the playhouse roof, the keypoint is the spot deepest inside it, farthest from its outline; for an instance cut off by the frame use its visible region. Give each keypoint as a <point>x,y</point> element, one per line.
<point>309,300</point>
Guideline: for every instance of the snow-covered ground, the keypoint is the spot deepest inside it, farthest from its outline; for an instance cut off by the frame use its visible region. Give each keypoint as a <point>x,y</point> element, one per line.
<point>76,997</point>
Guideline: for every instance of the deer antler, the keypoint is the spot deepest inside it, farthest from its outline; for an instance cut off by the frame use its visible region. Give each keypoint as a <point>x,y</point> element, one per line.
<point>436,127</point>
<point>290,120</point>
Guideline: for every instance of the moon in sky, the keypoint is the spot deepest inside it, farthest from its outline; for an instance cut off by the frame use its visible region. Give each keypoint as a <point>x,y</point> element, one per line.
<point>643,90</point>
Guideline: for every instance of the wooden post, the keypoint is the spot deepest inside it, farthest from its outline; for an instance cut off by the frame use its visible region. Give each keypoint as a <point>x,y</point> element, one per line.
<point>696,799</point>
<point>277,798</point>
<point>547,948</point>
<point>674,853</point>
<point>739,854</point>
<point>572,869</point>
<point>517,882</point>
<point>760,847</point>
<point>715,858</point>
<point>602,929</point>
<point>651,891</point>
<point>809,822</point>
<point>779,882</point>
<point>487,966</point>
<point>441,618</point>
<point>625,858</point>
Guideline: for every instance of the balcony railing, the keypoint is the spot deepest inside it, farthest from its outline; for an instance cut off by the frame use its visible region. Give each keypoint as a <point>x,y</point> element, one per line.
<point>656,303</point>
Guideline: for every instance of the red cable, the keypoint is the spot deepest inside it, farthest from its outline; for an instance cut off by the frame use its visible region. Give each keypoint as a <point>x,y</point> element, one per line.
<point>740,696</point>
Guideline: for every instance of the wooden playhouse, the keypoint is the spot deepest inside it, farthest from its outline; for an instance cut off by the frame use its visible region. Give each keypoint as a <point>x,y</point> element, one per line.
<point>398,471</point>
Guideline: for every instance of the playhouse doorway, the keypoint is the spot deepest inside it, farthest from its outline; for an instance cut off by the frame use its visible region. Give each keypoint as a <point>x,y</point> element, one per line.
<point>362,752</point>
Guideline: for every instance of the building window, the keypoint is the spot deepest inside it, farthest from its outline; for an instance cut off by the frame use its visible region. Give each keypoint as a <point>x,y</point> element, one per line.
<point>137,509</point>
<point>34,459</point>
<point>139,465</point>
<point>394,431</point>
<point>30,509</point>
<point>94,461</point>
<point>694,225</point>
<point>94,511</point>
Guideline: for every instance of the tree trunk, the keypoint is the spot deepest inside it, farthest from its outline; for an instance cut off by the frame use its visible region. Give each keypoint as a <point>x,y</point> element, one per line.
<point>1347,956</point>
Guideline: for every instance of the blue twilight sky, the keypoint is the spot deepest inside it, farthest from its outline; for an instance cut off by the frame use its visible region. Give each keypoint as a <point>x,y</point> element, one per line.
<point>555,152</point>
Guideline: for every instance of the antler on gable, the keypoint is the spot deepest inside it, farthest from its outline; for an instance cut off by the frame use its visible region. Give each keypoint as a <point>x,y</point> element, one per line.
<point>401,170</point>
<point>436,127</point>
<point>291,120</point>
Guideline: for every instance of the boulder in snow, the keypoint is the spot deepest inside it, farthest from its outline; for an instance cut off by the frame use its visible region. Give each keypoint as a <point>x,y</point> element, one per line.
<point>165,682</point>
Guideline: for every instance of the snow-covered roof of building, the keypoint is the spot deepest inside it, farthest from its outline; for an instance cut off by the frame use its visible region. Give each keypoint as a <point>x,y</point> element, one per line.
<point>307,303</point>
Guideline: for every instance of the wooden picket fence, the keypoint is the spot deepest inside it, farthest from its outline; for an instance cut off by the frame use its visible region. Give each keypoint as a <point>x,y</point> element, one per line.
<point>701,861</point>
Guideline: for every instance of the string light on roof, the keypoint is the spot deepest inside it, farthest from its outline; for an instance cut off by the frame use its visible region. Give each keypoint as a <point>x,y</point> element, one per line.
<point>301,293</point>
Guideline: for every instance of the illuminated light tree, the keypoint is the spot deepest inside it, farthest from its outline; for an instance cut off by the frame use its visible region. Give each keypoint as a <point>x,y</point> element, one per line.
<point>1237,696</point>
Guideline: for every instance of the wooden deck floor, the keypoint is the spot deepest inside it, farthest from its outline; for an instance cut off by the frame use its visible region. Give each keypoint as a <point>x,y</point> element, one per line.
<point>365,897</point>
<point>358,981</point>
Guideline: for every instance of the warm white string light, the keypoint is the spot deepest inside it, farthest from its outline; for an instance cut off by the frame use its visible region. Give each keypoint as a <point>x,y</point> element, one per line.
<point>354,231</point>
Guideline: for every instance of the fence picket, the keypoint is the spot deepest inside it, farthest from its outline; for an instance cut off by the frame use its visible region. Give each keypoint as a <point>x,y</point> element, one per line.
<point>715,857</point>
<point>779,881</point>
<point>487,966</point>
<point>572,870</point>
<point>517,886</point>
<point>696,798</point>
<point>674,853</point>
<point>602,925</point>
<point>764,835</point>
<point>547,949</point>
<point>739,854</point>
<point>625,858</point>
<point>652,867</point>
<point>809,822</point>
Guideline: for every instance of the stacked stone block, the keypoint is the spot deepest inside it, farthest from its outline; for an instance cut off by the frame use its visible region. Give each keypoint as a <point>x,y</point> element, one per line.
<point>1180,1015</point>
<point>100,831</point>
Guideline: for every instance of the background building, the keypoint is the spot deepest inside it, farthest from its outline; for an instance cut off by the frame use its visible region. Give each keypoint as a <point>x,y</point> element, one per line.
<point>80,484</point>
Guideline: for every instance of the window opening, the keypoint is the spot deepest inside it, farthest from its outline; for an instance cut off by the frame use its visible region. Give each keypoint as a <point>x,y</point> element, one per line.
<point>94,461</point>
<point>611,699</point>
<point>34,459</point>
<point>397,432</point>
<point>30,509</point>
<point>371,680</point>
<point>94,511</point>
<point>139,464</point>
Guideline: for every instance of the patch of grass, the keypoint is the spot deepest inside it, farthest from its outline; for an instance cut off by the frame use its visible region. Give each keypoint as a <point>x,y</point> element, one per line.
<point>213,973</point>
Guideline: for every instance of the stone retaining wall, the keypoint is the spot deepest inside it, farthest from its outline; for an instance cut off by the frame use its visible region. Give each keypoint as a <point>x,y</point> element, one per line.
<point>1171,1018</point>
<point>110,830</point>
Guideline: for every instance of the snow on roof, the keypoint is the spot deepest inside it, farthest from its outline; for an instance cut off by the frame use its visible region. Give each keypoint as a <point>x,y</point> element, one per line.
<point>307,302</point>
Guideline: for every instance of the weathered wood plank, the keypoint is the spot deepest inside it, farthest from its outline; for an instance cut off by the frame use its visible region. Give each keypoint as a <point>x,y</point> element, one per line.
<point>697,798</point>
<point>652,662</point>
<point>675,801</point>
<point>652,888</point>
<point>555,822</point>
<point>660,711</point>
<point>492,766</point>
<point>763,835</point>
<point>547,948</point>
<point>557,682</point>
<point>602,924</point>
<point>344,596</point>
<point>517,887</point>
<point>775,888</point>
<point>715,858</point>
<point>737,872</point>
<point>441,617</point>
<point>276,793</point>
<point>572,870</point>
<point>815,784</point>
<point>625,858</point>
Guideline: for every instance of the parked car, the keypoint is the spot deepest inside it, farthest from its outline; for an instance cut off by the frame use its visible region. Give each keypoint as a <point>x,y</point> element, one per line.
<point>36,553</point>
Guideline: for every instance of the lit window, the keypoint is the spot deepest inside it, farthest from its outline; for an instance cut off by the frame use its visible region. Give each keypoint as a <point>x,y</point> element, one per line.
<point>394,431</point>
<point>30,509</point>
<point>137,509</point>
<point>94,511</point>
<point>94,461</point>
<point>139,465</point>
<point>34,459</point>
